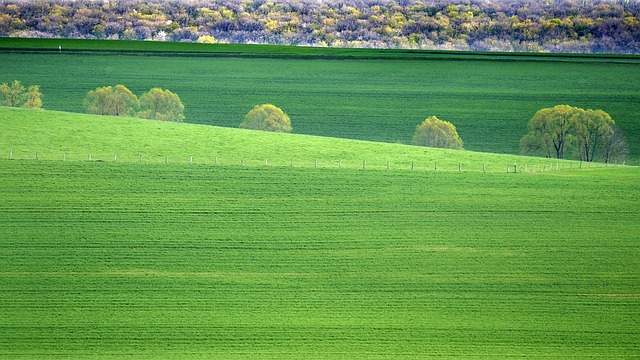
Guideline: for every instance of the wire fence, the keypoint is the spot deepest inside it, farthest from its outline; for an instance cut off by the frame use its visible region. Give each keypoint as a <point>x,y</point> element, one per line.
<point>544,165</point>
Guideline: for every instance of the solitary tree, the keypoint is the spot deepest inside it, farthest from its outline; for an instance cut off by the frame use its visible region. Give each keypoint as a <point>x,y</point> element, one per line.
<point>161,104</point>
<point>14,95</point>
<point>550,131</point>
<point>434,132</point>
<point>117,101</point>
<point>267,117</point>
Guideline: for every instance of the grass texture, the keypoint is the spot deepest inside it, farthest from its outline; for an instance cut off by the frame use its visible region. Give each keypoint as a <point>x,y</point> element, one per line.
<point>125,260</point>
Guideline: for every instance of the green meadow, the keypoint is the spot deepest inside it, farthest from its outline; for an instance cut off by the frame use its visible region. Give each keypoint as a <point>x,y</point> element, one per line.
<point>126,259</point>
<point>346,93</point>
<point>124,238</point>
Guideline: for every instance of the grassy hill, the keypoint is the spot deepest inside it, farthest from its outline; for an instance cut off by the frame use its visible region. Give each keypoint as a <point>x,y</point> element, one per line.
<point>358,94</point>
<point>59,135</point>
<point>129,260</point>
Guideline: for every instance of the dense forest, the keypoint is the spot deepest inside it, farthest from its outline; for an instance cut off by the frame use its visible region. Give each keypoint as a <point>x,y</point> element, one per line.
<point>584,26</point>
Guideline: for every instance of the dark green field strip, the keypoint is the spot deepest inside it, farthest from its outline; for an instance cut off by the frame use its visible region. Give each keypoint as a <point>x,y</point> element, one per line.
<point>244,50</point>
<point>146,261</point>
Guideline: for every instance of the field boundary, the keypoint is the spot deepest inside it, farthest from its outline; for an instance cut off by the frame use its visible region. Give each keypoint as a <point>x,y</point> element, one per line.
<point>151,48</point>
<point>552,165</point>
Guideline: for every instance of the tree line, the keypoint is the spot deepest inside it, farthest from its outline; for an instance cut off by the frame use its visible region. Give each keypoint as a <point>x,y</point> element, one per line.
<point>586,26</point>
<point>552,132</point>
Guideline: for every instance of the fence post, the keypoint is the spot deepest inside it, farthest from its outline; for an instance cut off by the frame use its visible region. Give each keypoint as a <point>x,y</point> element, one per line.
<point>11,155</point>
<point>316,165</point>
<point>435,168</point>
<point>191,160</point>
<point>412,165</point>
<point>364,164</point>
<point>340,164</point>
<point>115,157</point>
<point>388,165</point>
<point>89,156</point>
<point>515,168</point>
<point>291,163</point>
<point>140,158</point>
<point>508,169</point>
<point>484,168</point>
<point>459,167</point>
<point>266,162</point>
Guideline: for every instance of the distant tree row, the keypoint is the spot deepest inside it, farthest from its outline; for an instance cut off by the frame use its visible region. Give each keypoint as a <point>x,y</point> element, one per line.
<point>556,131</point>
<point>521,25</point>
<point>157,104</point>
<point>16,95</point>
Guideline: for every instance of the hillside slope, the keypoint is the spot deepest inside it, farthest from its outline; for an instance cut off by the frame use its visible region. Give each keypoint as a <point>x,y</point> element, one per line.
<point>59,135</point>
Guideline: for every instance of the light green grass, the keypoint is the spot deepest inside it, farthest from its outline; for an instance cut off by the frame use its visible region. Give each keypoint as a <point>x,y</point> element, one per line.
<point>58,135</point>
<point>359,94</point>
<point>130,261</point>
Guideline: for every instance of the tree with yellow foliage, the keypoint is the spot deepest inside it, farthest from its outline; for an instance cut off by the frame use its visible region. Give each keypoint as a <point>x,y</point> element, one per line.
<point>437,133</point>
<point>267,117</point>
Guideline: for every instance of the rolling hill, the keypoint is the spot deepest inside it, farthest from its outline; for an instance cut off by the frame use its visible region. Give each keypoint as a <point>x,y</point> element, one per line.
<point>60,135</point>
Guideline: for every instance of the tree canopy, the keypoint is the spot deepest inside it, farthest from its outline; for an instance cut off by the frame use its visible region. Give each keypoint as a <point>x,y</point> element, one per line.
<point>116,101</point>
<point>267,117</point>
<point>161,104</point>
<point>16,95</point>
<point>550,131</point>
<point>433,132</point>
<point>553,132</point>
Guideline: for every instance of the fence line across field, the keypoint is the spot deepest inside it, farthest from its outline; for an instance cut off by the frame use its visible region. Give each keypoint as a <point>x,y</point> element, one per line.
<point>557,165</point>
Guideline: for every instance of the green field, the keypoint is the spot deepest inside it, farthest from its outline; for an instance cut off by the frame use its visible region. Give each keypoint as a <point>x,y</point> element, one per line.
<point>120,259</point>
<point>68,136</point>
<point>124,238</point>
<point>126,260</point>
<point>346,93</point>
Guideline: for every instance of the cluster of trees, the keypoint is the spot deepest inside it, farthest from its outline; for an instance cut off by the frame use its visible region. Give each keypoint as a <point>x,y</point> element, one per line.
<point>522,25</point>
<point>156,104</point>
<point>562,129</point>
<point>16,95</point>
